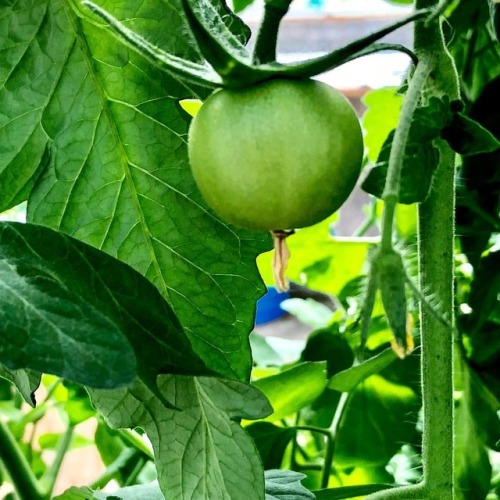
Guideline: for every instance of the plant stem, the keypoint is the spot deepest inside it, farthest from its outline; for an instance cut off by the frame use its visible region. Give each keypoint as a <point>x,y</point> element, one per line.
<point>436,233</point>
<point>436,237</point>
<point>369,220</point>
<point>396,157</point>
<point>50,477</point>
<point>332,435</point>
<point>267,37</point>
<point>17,467</point>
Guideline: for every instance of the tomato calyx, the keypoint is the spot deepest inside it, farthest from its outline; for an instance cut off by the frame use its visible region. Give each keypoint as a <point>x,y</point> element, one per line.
<point>228,62</point>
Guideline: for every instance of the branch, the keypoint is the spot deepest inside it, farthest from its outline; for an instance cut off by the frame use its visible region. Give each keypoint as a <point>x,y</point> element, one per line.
<point>17,467</point>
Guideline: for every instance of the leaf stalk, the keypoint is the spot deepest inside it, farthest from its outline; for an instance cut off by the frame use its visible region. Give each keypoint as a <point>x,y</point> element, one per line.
<point>17,467</point>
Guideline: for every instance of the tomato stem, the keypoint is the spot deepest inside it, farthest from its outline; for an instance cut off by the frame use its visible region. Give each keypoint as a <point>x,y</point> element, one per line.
<point>396,157</point>
<point>435,245</point>
<point>17,467</point>
<point>267,37</point>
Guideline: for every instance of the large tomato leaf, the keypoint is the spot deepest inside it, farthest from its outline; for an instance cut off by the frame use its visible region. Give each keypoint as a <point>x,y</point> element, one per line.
<point>200,450</point>
<point>73,311</point>
<point>118,175</point>
<point>279,485</point>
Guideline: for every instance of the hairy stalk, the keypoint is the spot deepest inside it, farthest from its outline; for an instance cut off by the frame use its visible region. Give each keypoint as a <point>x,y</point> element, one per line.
<point>267,37</point>
<point>436,241</point>
<point>436,234</point>
<point>17,467</point>
<point>392,185</point>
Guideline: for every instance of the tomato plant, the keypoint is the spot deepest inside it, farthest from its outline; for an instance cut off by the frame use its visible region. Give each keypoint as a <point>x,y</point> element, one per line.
<point>280,155</point>
<point>139,302</point>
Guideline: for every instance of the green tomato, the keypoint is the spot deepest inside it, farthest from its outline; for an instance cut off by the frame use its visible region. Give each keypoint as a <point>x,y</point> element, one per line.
<point>283,154</point>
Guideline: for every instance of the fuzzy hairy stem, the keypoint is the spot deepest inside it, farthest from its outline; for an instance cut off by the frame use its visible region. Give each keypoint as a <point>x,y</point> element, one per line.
<point>436,237</point>
<point>267,37</point>
<point>436,233</point>
<point>396,158</point>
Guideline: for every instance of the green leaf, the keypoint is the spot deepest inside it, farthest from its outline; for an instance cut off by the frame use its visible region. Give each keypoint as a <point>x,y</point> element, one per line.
<point>240,5</point>
<point>136,492</point>
<point>271,441</point>
<point>78,407</point>
<point>327,344</point>
<point>484,291</point>
<point>26,381</point>
<point>285,485</point>
<point>347,380</point>
<point>428,121</point>
<point>190,72</point>
<point>421,155</point>
<point>419,164</point>
<point>50,441</point>
<point>476,427</point>
<point>29,70</point>
<point>349,491</point>
<point>380,118</point>
<point>73,311</point>
<point>468,137</point>
<point>107,442</point>
<point>495,17</point>
<point>208,455</point>
<point>119,177</point>
<point>381,412</point>
<point>19,174</point>
<point>292,389</point>
<point>222,50</point>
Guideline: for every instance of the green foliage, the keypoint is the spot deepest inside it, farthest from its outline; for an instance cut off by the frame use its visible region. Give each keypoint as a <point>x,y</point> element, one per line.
<point>107,319</point>
<point>376,439</point>
<point>292,389</point>
<point>125,282</point>
<point>203,425</point>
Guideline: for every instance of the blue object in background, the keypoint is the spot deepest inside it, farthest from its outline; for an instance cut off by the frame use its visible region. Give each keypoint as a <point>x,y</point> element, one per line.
<point>268,306</point>
<point>316,4</point>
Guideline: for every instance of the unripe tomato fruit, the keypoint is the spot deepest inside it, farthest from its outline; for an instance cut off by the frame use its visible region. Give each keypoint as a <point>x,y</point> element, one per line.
<point>283,154</point>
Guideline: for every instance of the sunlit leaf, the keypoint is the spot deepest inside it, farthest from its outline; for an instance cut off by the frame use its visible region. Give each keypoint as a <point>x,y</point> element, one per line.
<point>347,380</point>
<point>384,106</point>
<point>294,388</point>
<point>118,176</point>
